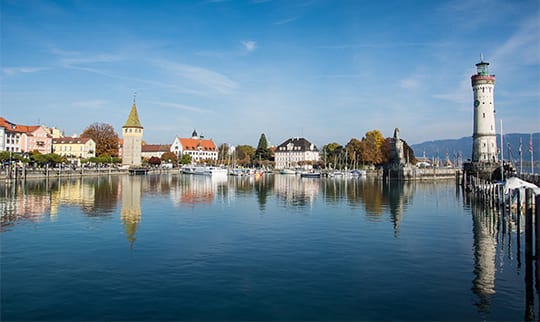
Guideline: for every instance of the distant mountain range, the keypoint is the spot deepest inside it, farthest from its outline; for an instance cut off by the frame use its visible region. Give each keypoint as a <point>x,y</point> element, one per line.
<point>439,148</point>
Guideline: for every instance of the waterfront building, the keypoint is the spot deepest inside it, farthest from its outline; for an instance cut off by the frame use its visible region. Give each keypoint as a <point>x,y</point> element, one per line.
<point>484,135</point>
<point>132,133</point>
<point>74,149</point>
<point>35,138</point>
<point>24,138</point>
<point>484,159</point>
<point>296,152</point>
<point>9,136</point>
<point>199,148</point>
<point>154,150</point>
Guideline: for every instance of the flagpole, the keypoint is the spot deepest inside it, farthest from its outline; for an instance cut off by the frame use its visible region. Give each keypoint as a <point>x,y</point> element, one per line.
<point>502,154</point>
<point>531,150</point>
<point>520,156</point>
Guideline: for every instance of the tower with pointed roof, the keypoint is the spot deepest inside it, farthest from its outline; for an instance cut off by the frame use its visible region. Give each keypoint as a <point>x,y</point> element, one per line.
<point>132,133</point>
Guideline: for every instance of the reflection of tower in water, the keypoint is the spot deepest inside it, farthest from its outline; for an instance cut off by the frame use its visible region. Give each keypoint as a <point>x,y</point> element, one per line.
<point>130,213</point>
<point>485,244</point>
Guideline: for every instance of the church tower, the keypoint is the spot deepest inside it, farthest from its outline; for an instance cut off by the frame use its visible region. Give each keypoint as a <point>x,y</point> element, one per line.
<point>484,148</point>
<point>132,133</point>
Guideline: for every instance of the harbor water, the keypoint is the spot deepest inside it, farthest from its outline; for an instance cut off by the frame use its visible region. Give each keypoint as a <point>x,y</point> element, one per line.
<point>278,247</point>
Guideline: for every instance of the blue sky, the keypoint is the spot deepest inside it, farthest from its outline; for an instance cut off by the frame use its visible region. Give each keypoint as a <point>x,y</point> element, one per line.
<point>326,70</point>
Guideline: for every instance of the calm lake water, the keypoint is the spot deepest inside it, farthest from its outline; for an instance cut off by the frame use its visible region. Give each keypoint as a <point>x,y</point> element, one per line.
<point>154,248</point>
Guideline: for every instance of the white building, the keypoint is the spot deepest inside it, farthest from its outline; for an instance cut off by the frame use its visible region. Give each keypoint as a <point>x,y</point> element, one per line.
<point>484,135</point>
<point>198,148</point>
<point>296,152</point>
<point>9,136</point>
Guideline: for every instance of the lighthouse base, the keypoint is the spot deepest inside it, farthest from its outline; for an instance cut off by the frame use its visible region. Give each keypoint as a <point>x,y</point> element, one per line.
<point>483,170</point>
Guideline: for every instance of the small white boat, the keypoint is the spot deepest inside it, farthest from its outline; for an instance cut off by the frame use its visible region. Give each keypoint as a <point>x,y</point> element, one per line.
<point>215,171</point>
<point>287,171</point>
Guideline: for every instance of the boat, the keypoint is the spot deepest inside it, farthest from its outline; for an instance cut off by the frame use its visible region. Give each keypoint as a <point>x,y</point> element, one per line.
<point>287,171</point>
<point>310,174</point>
<point>215,171</point>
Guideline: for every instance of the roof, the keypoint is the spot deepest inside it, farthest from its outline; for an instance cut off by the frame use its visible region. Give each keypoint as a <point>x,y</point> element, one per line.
<point>194,144</point>
<point>7,124</point>
<point>156,148</point>
<point>296,145</point>
<point>133,118</point>
<point>71,140</point>
<point>28,129</point>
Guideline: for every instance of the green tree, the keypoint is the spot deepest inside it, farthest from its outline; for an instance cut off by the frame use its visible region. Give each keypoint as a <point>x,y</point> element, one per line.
<point>185,159</point>
<point>354,150</point>
<point>245,154</point>
<point>223,152</point>
<point>332,154</point>
<point>262,153</point>
<point>105,137</point>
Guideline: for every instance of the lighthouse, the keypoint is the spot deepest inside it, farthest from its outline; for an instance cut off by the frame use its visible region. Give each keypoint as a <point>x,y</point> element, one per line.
<point>484,148</point>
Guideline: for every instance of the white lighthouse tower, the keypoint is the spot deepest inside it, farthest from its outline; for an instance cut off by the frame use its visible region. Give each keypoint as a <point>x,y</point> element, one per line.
<point>484,148</point>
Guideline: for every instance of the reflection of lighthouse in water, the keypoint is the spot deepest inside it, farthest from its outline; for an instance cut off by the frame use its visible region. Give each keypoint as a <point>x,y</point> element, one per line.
<point>485,243</point>
<point>130,213</point>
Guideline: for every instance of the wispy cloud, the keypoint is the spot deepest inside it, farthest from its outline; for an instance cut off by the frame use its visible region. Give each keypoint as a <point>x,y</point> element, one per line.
<point>19,70</point>
<point>180,106</point>
<point>201,76</point>
<point>249,45</point>
<point>91,104</point>
<point>286,21</point>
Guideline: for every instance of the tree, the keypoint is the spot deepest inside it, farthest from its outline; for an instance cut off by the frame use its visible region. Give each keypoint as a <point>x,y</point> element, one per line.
<point>155,161</point>
<point>223,152</point>
<point>263,152</point>
<point>185,159</point>
<point>354,149</point>
<point>373,142</point>
<point>245,154</point>
<point>105,137</point>
<point>332,153</point>
<point>169,157</point>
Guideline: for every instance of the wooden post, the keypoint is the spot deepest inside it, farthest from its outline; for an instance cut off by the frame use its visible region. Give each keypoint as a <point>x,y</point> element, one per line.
<point>528,225</point>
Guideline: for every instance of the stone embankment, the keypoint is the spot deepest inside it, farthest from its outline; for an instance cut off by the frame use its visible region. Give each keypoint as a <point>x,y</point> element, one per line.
<point>26,174</point>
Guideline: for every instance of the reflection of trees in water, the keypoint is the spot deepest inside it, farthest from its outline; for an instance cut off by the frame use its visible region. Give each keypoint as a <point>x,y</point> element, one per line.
<point>105,197</point>
<point>377,199</point>
<point>263,188</point>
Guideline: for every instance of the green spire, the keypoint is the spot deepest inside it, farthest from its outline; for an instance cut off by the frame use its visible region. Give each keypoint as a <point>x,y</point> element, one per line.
<point>133,118</point>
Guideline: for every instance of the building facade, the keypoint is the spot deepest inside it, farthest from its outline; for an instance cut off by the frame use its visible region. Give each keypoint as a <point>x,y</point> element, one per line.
<point>132,133</point>
<point>75,149</point>
<point>484,148</point>
<point>296,152</point>
<point>154,150</point>
<point>9,136</point>
<point>199,148</point>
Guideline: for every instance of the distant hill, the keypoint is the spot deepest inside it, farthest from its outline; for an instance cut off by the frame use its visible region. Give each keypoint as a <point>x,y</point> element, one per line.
<point>439,148</point>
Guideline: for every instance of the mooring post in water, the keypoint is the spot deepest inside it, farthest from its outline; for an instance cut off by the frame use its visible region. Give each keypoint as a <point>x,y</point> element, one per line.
<point>528,224</point>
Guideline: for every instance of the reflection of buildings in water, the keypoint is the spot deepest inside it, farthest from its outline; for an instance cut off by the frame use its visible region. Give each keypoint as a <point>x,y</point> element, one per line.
<point>196,189</point>
<point>485,244</point>
<point>73,193</point>
<point>130,213</point>
<point>296,191</point>
<point>17,205</point>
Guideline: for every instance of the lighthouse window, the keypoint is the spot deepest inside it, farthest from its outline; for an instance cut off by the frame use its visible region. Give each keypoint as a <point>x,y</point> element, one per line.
<point>483,89</point>
<point>484,115</point>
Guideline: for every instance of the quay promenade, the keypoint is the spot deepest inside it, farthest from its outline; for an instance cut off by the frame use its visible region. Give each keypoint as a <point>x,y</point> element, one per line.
<point>414,174</point>
<point>30,174</point>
